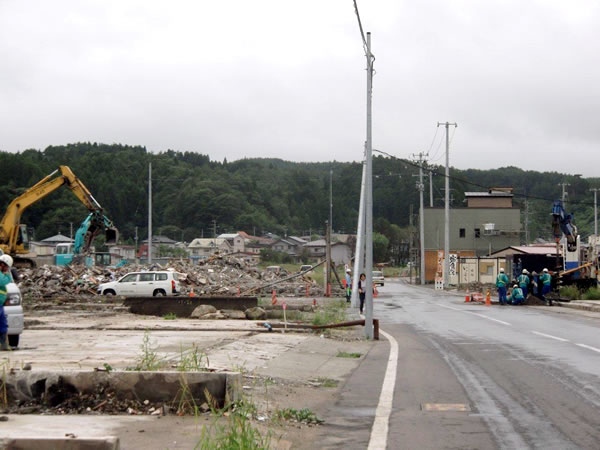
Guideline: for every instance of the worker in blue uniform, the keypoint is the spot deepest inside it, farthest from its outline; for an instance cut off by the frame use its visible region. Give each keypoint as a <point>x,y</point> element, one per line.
<point>524,281</point>
<point>516,296</point>
<point>501,283</point>
<point>546,282</point>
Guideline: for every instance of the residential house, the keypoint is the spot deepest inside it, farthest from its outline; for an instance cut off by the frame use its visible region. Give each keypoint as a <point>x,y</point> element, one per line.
<point>121,252</point>
<point>487,224</point>
<point>341,253</point>
<point>236,240</point>
<point>203,248</point>
<point>286,246</point>
<point>254,244</point>
<point>47,247</point>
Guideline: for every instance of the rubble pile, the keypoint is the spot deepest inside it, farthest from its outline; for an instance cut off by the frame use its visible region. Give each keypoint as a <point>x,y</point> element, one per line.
<point>217,276</point>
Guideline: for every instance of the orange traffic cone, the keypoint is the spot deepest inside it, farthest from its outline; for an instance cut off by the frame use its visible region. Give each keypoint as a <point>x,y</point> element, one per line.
<point>467,296</point>
<point>314,302</point>
<point>273,298</point>
<point>192,294</point>
<point>488,299</point>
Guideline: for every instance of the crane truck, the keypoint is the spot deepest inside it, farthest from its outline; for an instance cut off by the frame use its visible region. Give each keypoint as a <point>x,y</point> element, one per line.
<point>13,235</point>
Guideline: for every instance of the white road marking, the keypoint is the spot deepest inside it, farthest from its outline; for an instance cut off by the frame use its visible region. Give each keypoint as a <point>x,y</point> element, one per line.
<point>589,347</point>
<point>475,314</point>
<point>379,432</point>
<point>550,336</point>
<point>489,318</point>
<point>449,307</point>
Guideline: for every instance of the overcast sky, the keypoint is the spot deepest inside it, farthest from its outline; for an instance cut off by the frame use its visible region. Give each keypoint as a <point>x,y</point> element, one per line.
<point>286,79</point>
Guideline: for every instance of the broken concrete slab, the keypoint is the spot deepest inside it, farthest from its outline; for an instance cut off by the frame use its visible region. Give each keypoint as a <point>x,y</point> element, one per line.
<point>64,443</point>
<point>184,306</point>
<point>52,387</point>
<point>256,313</point>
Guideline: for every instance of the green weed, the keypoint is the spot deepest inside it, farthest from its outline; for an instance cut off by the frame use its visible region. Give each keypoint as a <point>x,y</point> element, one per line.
<point>194,360</point>
<point>332,312</point>
<point>327,382</point>
<point>592,294</point>
<point>570,292</point>
<point>348,355</point>
<point>304,415</point>
<point>170,316</point>
<point>149,360</point>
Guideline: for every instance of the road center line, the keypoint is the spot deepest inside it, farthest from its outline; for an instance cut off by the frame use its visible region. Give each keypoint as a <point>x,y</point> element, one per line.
<point>550,336</point>
<point>475,314</point>
<point>489,318</point>
<point>589,347</point>
<point>379,432</point>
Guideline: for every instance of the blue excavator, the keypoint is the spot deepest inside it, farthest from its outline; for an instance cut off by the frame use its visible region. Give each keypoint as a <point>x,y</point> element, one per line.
<point>562,224</point>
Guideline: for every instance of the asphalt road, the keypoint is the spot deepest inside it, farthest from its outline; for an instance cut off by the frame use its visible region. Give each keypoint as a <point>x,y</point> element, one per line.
<point>475,377</point>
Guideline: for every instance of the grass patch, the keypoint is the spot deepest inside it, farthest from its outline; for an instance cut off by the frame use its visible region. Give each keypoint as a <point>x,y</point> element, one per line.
<point>348,355</point>
<point>332,312</point>
<point>391,271</point>
<point>592,294</point>
<point>328,382</point>
<point>570,292</point>
<point>170,316</point>
<point>194,360</point>
<point>303,415</point>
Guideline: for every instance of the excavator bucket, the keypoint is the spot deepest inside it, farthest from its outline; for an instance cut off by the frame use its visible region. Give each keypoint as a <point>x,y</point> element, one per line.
<point>111,235</point>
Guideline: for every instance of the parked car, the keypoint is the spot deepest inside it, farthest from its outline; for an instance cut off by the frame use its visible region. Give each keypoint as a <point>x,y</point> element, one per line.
<point>13,308</point>
<point>305,267</point>
<point>143,284</point>
<point>275,269</point>
<point>378,277</point>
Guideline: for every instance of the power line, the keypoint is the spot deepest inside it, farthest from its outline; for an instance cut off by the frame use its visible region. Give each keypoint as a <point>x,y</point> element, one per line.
<point>462,180</point>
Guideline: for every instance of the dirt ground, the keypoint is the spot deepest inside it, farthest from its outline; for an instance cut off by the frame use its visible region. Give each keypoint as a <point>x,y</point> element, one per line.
<point>280,370</point>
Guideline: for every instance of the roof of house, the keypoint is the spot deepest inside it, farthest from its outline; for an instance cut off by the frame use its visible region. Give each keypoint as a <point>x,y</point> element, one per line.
<point>544,249</point>
<point>297,239</point>
<point>208,242</point>
<point>489,194</point>
<point>285,241</point>
<point>57,238</point>
<point>158,239</point>
<point>317,243</point>
<point>228,235</point>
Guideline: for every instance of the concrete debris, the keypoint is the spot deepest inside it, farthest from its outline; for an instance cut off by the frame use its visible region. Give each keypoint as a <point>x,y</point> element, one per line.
<point>255,313</point>
<point>203,310</point>
<point>216,276</point>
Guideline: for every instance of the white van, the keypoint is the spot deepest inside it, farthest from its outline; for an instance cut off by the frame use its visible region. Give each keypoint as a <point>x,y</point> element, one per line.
<point>13,308</point>
<point>143,284</point>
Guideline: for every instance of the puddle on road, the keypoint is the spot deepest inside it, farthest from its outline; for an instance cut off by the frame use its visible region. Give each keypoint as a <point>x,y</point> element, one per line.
<point>392,305</point>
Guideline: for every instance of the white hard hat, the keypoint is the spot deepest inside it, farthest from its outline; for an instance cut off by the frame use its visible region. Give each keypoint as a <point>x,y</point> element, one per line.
<point>524,270</point>
<point>515,286</point>
<point>348,270</point>
<point>6,259</point>
<point>545,270</point>
<point>501,269</point>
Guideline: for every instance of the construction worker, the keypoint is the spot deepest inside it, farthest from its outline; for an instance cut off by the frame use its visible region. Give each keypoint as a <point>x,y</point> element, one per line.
<point>348,282</point>
<point>501,283</point>
<point>516,296</point>
<point>6,263</point>
<point>524,281</point>
<point>546,282</point>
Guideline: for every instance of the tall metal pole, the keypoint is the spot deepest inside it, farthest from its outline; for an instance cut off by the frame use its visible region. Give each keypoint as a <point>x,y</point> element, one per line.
<point>431,189</point>
<point>447,207</point>
<point>369,201</point>
<point>595,191</point>
<point>150,213</point>
<point>564,194</point>
<point>359,252</point>
<point>331,199</point>
<point>421,221</point>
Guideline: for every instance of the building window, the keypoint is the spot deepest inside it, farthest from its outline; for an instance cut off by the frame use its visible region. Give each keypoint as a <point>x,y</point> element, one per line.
<point>477,232</point>
<point>461,233</point>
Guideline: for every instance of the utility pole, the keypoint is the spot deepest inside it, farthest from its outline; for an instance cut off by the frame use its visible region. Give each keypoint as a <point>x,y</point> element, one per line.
<point>421,188</point>
<point>150,213</point>
<point>431,188</point>
<point>369,200</point>
<point>447,206</point>
<point>359,252</point>
<point>327,258</point>
<point>526,222</point>
<point>595,191</point>
<point>331,199</point>
<point>135,256</point>
<point>410,244</point>
<point>71,230</point>
<point>564,194</point>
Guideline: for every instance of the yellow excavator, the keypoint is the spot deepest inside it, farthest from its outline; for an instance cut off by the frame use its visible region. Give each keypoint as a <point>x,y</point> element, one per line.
<point>13,235</point>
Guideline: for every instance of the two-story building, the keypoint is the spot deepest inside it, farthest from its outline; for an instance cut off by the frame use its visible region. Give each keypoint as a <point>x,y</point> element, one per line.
<point>203,248</point>
<point>488,223</point>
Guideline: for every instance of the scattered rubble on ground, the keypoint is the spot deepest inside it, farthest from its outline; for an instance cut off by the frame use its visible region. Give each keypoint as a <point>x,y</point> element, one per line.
<point>217,276</point>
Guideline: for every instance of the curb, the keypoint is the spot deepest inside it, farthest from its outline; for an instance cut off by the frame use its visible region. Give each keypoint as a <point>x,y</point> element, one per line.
<point>592,308</point>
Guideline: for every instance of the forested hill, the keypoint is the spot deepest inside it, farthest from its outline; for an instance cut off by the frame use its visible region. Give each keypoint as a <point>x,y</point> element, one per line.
<point>255,195</point>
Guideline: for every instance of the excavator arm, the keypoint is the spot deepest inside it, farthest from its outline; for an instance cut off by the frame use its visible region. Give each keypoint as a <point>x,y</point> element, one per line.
<point>10,241</point>
<point>562,224</point>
